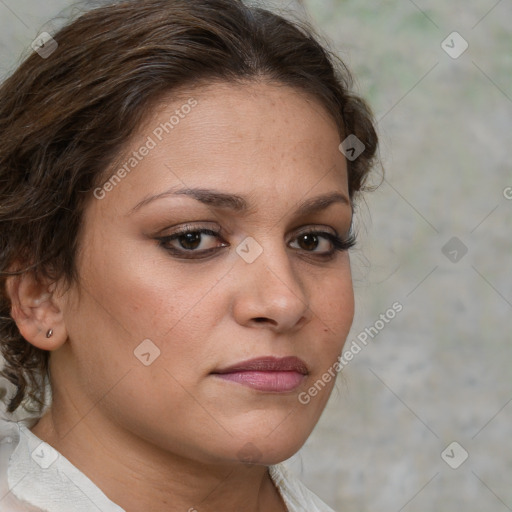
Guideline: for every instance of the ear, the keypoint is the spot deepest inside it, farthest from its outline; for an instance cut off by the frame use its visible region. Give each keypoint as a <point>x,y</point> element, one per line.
<point>36,309</point>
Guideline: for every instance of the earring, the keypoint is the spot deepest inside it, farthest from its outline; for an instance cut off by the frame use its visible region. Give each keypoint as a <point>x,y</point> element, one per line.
<point>49,334</point>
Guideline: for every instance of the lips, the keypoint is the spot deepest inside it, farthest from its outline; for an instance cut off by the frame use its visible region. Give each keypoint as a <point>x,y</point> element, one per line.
<point>269,374</point>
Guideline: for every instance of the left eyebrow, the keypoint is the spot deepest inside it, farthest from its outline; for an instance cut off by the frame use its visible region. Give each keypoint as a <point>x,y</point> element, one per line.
<point>238,203</point>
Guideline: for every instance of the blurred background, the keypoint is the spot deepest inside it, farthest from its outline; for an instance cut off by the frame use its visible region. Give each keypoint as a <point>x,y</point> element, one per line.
<point>421,419</point>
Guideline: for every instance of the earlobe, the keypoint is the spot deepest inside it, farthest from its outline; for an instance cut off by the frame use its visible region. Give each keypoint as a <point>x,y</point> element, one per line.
<point>38,316</point>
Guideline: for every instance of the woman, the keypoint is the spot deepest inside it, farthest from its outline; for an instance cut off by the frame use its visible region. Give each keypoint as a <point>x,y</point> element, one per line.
<point>177,188</point>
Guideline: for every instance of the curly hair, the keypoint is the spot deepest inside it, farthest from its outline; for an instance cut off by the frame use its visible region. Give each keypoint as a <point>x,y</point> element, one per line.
<point>64,120</point>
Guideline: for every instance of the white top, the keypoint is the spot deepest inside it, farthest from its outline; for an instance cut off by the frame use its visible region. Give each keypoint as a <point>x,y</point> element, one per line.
<point>34,477</point>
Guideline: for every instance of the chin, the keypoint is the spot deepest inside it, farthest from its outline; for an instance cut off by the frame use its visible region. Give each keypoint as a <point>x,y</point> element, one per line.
<point>268,448</point>
<point>266,455</point>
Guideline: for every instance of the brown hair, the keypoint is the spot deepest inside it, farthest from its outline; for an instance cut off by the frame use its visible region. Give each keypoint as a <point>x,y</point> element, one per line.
<point>64,120</point>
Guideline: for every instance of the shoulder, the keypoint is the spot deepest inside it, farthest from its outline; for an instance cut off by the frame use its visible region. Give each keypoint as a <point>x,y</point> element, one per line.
<point>296,495</point>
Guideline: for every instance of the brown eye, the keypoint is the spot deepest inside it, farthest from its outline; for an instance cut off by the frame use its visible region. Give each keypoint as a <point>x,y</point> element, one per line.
<point>316,242</point>
<point>309,241</point>
<point>190,241</point>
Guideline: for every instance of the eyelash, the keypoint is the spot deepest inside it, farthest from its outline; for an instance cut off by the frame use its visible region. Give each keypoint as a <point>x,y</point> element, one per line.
<point>339,244</point>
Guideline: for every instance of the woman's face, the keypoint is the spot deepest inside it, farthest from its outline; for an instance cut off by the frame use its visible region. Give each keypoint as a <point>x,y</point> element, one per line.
<point>158,316</point>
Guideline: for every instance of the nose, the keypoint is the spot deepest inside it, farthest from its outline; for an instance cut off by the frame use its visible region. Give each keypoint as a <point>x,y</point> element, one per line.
<point>270,294</point>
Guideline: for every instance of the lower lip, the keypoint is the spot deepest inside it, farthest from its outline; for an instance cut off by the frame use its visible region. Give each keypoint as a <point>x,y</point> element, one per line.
<point>279,382</point>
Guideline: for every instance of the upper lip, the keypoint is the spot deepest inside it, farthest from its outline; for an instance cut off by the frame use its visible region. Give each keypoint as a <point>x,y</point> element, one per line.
<point>268,364</point>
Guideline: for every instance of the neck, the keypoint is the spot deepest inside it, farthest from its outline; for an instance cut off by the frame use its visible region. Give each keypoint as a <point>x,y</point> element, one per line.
<point>137,475</point>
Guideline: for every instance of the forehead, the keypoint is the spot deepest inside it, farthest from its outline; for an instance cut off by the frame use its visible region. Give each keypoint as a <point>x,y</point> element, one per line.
<point>235,137</point>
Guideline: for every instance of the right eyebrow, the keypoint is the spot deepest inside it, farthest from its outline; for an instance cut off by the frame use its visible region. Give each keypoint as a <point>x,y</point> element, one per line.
<point>206,196</point>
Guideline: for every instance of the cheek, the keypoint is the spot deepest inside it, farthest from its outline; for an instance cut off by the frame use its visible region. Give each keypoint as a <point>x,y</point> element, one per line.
<point>125,302</point>
<point>141,288</point>
<point>333,305</point>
